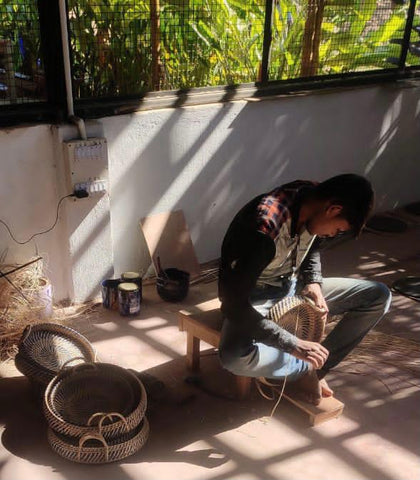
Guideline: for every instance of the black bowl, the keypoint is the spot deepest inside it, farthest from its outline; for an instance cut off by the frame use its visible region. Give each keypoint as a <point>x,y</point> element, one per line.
<point>172,284</point>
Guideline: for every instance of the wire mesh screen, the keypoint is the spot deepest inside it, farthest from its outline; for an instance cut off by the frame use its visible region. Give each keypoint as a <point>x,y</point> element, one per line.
<point>110,47</point>
<point>208,43</point>
<point>323,37</point>
<point>413,57</point>
<point>21,67</point>
<point>128,47</point>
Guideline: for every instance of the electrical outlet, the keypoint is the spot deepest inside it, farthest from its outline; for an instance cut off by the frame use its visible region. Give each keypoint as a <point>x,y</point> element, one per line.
<point>93,187</point>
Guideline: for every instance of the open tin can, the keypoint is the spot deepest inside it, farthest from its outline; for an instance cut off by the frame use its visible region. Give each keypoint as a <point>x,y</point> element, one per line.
<point>128,298</point>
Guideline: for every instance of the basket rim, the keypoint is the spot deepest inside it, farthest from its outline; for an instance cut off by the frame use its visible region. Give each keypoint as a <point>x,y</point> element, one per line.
<point>35,372</point>
<point>112,442</point>
<point>61,424</point>
<point>300,301</point>
<point>116,450</point>
<point>64,331</point>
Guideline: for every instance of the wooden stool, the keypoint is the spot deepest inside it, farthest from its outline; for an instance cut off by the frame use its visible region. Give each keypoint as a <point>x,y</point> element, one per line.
<point>204,322</point>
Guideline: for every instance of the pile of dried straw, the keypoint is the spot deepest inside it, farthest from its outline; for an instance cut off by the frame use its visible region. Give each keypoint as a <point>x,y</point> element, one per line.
<point>26,299</point>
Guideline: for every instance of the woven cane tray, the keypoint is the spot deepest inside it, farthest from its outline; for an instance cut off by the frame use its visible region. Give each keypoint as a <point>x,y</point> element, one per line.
<point>81,397</point>
<point>299,316</point>
<point>94,448</point>
<point>46,347</point>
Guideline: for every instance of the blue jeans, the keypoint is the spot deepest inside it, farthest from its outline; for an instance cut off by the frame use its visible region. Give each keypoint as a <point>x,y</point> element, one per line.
<point>363,302</point>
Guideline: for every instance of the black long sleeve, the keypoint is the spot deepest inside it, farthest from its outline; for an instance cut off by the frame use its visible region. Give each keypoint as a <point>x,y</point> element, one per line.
<point>310,270</point>
<point>245,254</point>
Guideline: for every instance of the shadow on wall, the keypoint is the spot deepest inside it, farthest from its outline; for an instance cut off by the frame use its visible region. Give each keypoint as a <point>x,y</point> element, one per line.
<point>209,161</point>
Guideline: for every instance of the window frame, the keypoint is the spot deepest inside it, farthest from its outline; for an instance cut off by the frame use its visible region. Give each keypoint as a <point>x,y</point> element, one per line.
<point>54,109</point>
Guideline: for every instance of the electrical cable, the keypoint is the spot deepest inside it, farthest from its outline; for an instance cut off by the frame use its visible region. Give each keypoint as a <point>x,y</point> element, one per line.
<point>44,231</point>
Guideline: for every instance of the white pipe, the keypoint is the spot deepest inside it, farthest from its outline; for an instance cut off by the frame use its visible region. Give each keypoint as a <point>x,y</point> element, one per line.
<point>67,70</point>
<point>80,125</point>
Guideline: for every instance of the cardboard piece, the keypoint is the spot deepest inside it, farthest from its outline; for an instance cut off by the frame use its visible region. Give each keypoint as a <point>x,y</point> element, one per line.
<point>168,237</point>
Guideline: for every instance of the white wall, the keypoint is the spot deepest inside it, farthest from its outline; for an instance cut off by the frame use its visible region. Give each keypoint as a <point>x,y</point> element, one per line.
<point>207,160</point>
<point>28,197</point>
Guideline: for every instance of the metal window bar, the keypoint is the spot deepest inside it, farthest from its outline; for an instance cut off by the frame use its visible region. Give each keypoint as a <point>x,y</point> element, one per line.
<point>407,34</point>
<point>268,37</point>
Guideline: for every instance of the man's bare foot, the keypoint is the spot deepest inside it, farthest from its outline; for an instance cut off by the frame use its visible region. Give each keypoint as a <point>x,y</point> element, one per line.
<point>306,388</point>
<point>325,389</point>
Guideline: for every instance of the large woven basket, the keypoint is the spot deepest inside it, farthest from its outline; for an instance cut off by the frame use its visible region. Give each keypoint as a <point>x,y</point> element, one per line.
<point>81,397</point>
<point>300,316</point>
<point>46,347</point>
<point>93,448</point>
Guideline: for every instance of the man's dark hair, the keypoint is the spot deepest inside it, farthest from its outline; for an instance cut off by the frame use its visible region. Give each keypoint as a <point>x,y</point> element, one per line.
<point>354,193</point>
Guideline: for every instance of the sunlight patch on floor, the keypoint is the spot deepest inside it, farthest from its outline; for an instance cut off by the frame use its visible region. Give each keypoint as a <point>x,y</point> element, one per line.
<point>337,428</point>
<point>149,322</point>
<point>176,341</point>
<point>263,438</point>
<point>107,327</point>
<point>316,464</point>
<point>387,457</point>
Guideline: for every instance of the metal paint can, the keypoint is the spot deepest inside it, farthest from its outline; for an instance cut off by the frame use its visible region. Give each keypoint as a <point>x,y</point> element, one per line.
<point>133,277</point>
<point>128,298</point>
<point>109,289</point>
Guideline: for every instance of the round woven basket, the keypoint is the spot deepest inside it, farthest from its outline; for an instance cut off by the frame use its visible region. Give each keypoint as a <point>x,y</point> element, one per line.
<point>45,348</point>
<point>80,398</point>
<point>94,448</point>
<point>300,316</point>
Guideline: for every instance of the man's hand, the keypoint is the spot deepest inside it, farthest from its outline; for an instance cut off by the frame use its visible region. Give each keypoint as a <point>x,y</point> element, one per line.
<point>313,291</point>
<point>312,352</point>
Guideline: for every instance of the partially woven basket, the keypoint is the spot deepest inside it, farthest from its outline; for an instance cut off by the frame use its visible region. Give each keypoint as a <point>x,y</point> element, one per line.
<point>93,448</point>
<point>45,348</point>
<point>80,398</point>
<point>300,316</point>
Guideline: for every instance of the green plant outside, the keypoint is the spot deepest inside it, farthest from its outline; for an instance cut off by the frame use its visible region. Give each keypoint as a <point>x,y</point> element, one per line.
<point>19,23</point>
<point>355,36</point>
<point>206,42</point>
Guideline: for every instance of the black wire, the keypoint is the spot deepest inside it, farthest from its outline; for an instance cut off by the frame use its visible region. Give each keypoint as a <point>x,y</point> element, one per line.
<point>39,233</point>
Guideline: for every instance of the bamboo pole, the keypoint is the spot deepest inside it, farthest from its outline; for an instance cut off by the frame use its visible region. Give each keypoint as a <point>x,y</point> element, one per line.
<point>312,38</point>
<point>6,51</point>
<point>317,37</point>
<point>155,33</point>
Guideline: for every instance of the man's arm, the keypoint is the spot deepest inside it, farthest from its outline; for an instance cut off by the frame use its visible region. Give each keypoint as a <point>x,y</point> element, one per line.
<point>310,270</point>
<point>243,260</point>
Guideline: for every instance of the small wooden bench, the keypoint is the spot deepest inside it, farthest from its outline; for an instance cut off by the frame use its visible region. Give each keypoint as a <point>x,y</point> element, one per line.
<point>204,322</point>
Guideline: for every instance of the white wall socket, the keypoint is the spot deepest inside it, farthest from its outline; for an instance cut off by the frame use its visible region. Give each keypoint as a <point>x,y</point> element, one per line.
<point>93,187</point>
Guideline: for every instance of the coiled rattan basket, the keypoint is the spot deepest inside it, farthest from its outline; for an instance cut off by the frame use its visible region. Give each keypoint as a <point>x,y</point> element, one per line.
<point>93,448</point>
<point>45,348</point>
<point>300,316</point>
<point>81,397</point>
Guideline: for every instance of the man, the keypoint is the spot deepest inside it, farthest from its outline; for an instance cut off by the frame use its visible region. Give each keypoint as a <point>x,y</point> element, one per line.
<point>271,250</point>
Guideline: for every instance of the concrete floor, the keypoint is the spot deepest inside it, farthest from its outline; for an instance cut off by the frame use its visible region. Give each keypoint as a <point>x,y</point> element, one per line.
<point>202,435</point>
